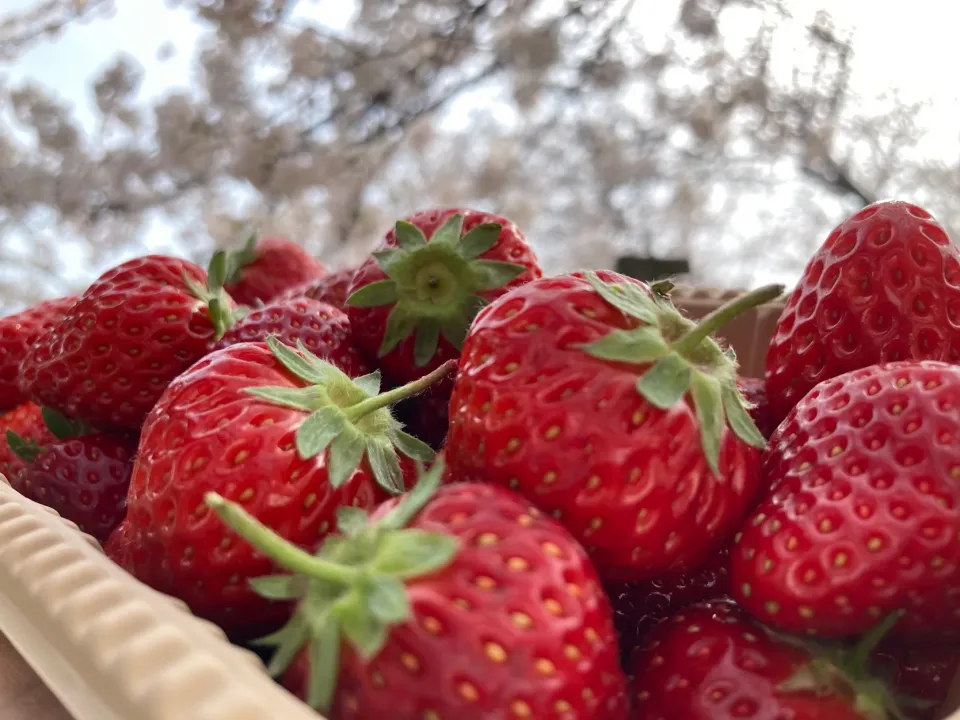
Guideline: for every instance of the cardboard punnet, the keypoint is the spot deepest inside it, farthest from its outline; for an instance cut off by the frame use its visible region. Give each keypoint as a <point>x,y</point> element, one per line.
<point>110,648</point>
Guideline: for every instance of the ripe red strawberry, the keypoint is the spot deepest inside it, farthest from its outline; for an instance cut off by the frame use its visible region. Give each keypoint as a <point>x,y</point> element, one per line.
<point>83,477</point>
<point>17,333</point>
<point>755,394</point>
<point>864,513</point>
<point>920,673</point>
<point>604,406</point>
<point>321,328</point>
<point>289,436</point>
<point>412,302</point>
<point>266,267</point>
<point>136,328</point>
<point>712,662</point>
<point>465,603</point>
<point>638,607</point>
<point>332,288</point>
<point>27,422</point>
<point>885,286</point>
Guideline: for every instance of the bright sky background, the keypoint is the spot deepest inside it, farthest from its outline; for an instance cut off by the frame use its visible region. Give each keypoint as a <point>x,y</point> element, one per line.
<point>910,51</point>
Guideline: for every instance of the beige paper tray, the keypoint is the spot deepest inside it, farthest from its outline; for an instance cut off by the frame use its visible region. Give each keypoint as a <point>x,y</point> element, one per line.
<point>110,648</point>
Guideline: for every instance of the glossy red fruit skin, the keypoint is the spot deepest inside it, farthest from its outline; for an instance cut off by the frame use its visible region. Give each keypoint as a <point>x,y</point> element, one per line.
<point>712,662</point>
<point>332,288</point>
<point>754,391</point>
<point>531,410</point>
<point>85,479</point>
<point>921,672</point>
<point>540,638</point>
<point>207,434</point>
<point>885,286</point>
<point>115,350</point>
<point>369,324</point>
<point>280,264</point>
<point>863,513</point>
<point>638,607</point>
<point>323,330</point>
<point>17,333</point>
<point>26,421</point>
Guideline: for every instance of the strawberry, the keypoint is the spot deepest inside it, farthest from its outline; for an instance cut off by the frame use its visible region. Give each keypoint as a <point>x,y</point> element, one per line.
<point>17,333</point>
<point>712,662</point>
<point>755,393</point>
<point>136,328</point>
<point>83,477</point>
<point>321,328</point>
<point>266,267</point>
<point>459,602</point>
<point>26,421</point>
<point>332,288</point>
<point>864,511</point>
<point>289,436</point>
<point>598,401</point>
<point>638,607</point>
<point>884,286</point>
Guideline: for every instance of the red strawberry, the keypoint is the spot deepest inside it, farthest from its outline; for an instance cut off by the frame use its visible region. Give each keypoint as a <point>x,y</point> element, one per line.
<point>17,333</point>
<point>638,607</point>
<point>885,286</point>
<point>711,662</point>
<point>289,436</point>
<point>755,394</point>
<point>604,406</point>
<point>864,513</point>
<point>135,329</point>
<point>332,288</point>
<point>266,267</point>
<point>918,673</point>
<point>321,328</point>
<point>83,477</point>
<point>27,422</point>
<point>466,603</point>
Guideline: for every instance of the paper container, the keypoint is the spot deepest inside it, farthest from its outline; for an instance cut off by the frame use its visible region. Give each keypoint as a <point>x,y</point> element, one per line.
<point>111,648</point>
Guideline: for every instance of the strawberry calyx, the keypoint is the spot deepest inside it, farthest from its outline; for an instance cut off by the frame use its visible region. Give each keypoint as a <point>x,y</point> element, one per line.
<point>434,284</point>
<point>59,425</point>
<point>237,260</point>
<point>214,296</point>
<point>843,670</point>
<point>349,416</point>
<point>351,589</point>
<point>682,358</point>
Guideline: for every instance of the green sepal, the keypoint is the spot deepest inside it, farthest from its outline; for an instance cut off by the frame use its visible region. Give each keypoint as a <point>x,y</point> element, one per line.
<point>448,234</point>
<point>425,341</point>
<point>305,398</point>
<point>297,362</point>
<point>385,464</point>
<point>376,294</point>
<point>666,382</point>
<point>62,427</point>
<point>369,383</point>
<point>740,421</point>
<point>400,325</point>
<point>365,632</point>
<point>346,452</point>
<point>626,297</point>
<point>413,447</point>
<point>388,259</point>
<point>319,430</point>
<point>213,295</point>
<point>388,598</point>
<point>351,520</point>
<point>413,501</point>
<point>708,404</point>
<point>492,274</point>
<point>409,236</point>
<point>279,587</point>
<point>412,553</point>
<point>640,345</point>
<point>287,642</point>
<point>236,260</point>
<point>26,450</point>
<point>324,656</point>
<point>479,240</point>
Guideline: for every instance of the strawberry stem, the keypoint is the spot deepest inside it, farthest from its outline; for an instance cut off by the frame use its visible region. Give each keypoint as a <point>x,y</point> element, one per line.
<point>724,314</point>
<point>391,397</point>
<point>285,554</point>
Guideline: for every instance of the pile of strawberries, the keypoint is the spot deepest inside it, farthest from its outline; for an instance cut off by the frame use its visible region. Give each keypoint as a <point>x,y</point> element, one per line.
<point>440,485</point>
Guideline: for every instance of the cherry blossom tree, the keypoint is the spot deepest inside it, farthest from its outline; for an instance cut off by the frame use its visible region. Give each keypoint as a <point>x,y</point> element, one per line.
<point>674,128</point>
